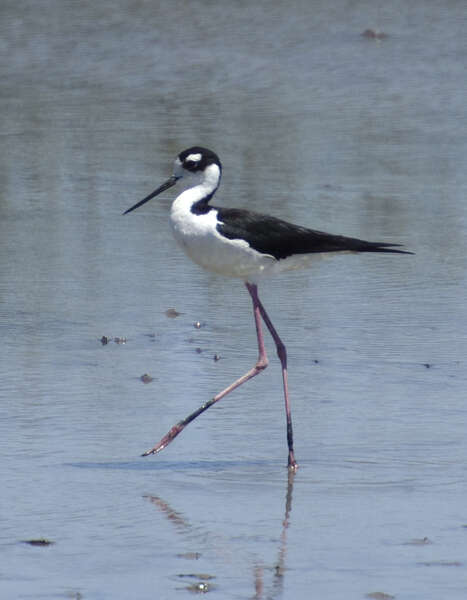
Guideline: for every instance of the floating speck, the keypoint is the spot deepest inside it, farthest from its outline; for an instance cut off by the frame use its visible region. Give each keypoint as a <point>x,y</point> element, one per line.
<point>441,563</point>
<point>106,339</point>
<point>190,555</point>
<point>203,576</point>
<point>372,34</point>
<point>146,378</point>
<point>39,542</point>
<point>171,313</point>
<point>418,542</point>
<point>201,587</point>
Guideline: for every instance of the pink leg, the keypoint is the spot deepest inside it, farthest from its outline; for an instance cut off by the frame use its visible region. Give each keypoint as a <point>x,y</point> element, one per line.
<point>262,362</point>
<point>260,365</point>
<point>282,354</point>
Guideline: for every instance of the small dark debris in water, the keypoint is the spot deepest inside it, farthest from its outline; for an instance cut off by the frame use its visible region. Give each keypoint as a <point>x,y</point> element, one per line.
<point>39,542</point>
<point>217,357</point>
<point>427,365</point>
<point>171,313</point>
<point>316,361</point>
<point>201,587</point>
<point>418,542</point>
<point>379,596</point>
<point>146,378</point>
<point>198,325</point>
<point>372,34</point>
<point>190,555</point>
<point>198,350</point>
<point>441,563</point>
<point>203,576</point>
<point>105,339</point>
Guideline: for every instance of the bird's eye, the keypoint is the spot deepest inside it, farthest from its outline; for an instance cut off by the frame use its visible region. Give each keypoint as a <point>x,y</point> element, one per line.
<point>190,165</point>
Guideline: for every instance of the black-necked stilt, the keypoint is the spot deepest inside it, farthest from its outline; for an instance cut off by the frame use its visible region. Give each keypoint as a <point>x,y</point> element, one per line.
<point>244,244</point>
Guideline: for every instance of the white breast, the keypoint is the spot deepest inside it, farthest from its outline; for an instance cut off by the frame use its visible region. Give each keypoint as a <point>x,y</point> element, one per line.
<point>199,238</point>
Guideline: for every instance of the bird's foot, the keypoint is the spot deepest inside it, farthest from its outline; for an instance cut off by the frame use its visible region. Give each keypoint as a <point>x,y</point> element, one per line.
<point>165,441</point>
<point>292,464</point>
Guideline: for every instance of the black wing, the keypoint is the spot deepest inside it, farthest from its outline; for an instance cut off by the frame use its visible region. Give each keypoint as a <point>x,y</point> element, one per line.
<point>281,239</point>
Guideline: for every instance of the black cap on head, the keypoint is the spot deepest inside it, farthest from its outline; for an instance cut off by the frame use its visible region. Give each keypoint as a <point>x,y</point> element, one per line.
<point>197,158</point>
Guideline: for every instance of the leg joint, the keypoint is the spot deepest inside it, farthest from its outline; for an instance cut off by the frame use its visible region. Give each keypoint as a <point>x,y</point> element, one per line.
<point>262,363</point>
<point>282,352</point>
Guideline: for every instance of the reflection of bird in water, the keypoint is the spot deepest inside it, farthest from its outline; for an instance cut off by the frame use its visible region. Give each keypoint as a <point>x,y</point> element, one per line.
<point>206,582</point>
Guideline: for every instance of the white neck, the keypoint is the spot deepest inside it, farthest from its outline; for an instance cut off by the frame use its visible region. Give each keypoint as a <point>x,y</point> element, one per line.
<point>199,185</point>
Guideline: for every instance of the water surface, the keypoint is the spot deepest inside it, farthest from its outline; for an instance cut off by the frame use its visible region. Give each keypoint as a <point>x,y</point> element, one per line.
<point>314,123</point>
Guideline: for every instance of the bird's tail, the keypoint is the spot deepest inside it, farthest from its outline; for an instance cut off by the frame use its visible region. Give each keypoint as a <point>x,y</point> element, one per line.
<point>383,247</point>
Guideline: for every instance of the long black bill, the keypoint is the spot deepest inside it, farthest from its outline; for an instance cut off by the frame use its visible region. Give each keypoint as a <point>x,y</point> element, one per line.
<point>169,183</point>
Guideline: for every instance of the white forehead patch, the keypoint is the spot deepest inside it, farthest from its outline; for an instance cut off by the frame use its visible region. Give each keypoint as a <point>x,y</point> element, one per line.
<point>194,157</point>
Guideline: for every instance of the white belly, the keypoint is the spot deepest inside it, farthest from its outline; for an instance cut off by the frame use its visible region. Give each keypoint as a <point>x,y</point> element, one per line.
<point>199,238</point>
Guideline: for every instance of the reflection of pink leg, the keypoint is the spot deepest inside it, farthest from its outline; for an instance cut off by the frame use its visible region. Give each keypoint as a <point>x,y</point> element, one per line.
<point>260,365</point>
<point>282,354</point>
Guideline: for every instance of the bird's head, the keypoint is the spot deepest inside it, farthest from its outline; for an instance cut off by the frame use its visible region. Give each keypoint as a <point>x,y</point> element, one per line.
<point>194,166</point>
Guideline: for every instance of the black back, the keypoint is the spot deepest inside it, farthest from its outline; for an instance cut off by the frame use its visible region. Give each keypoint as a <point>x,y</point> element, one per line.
<point>281,239</point>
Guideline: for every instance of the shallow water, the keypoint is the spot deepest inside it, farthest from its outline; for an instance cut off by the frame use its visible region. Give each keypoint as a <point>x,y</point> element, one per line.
<point>317,124</point>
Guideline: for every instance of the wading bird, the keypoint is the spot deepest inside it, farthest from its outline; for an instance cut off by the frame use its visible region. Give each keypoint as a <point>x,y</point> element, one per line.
<point>247,245</point>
